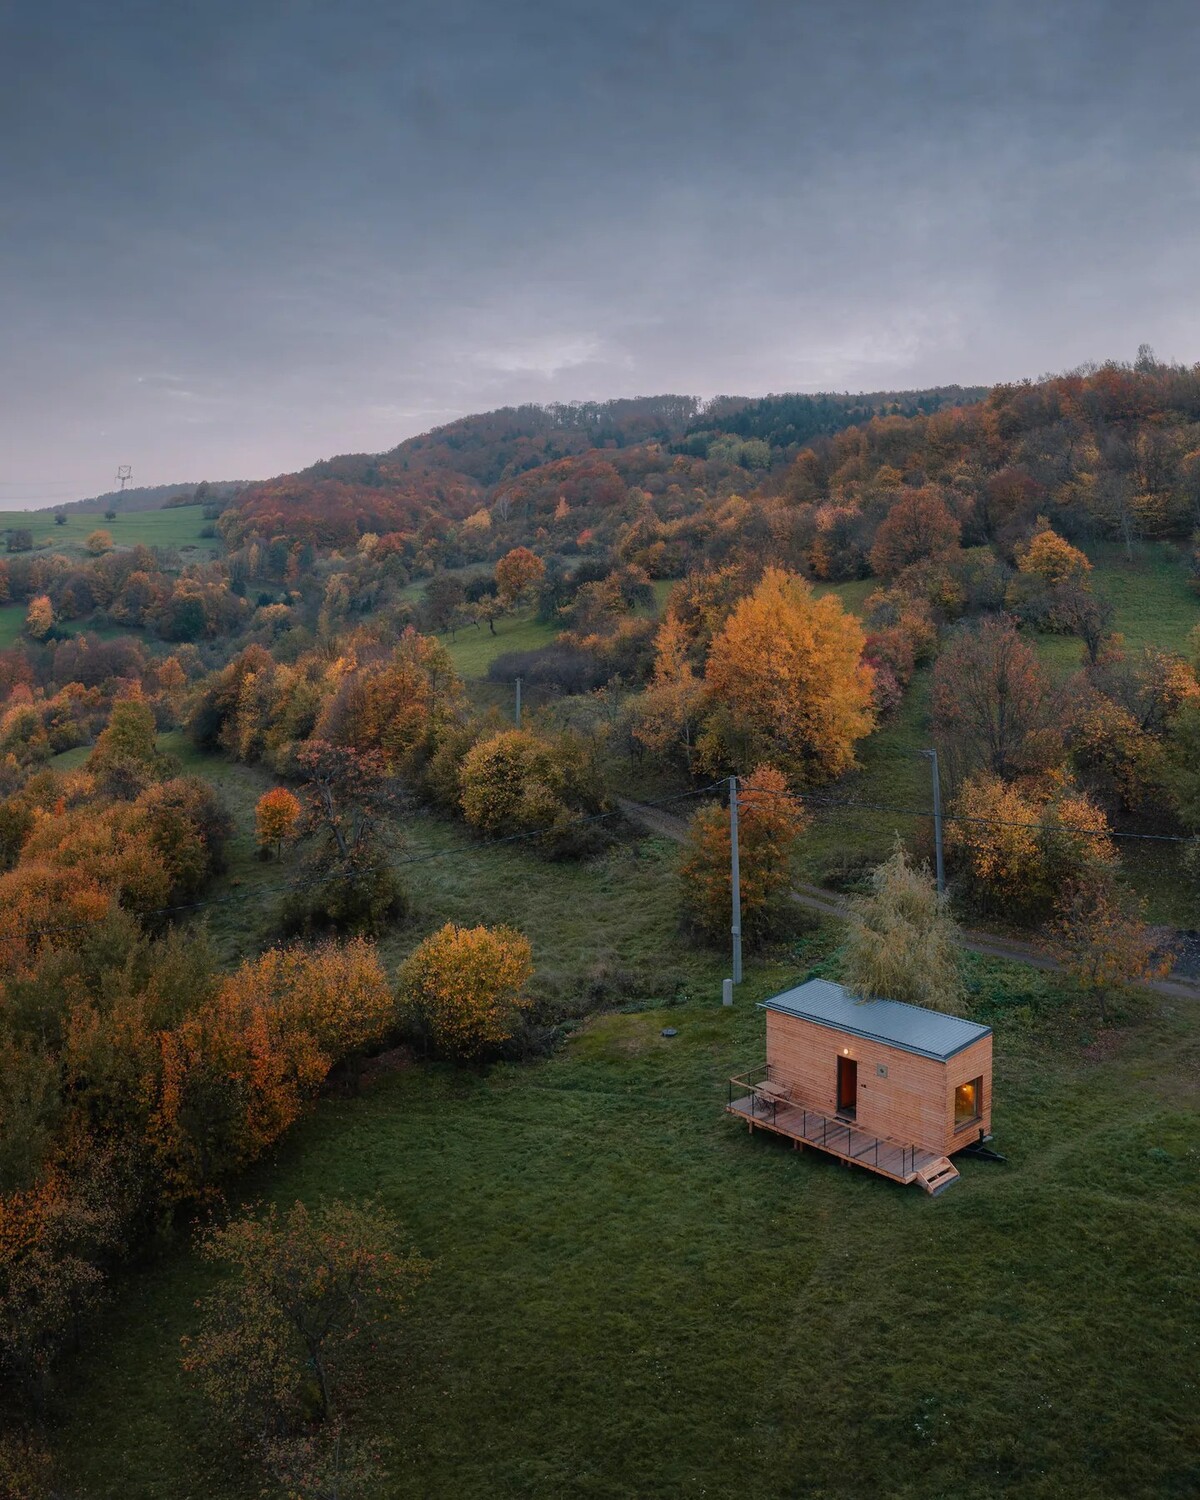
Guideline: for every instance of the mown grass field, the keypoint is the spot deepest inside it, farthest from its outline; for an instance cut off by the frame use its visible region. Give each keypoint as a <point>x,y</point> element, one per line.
<point>474,649</point>
<point>632,1297</point>
<point>12,619</point>
<point>178,527</point>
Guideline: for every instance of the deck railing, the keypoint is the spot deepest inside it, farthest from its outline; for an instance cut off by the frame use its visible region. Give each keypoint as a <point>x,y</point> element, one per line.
<point>750,1083</point>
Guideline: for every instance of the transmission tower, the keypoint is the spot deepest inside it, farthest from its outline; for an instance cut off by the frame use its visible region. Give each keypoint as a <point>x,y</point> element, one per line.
<point>124,475</point>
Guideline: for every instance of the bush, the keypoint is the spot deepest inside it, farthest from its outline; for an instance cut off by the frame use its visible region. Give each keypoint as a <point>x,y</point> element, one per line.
<point>363,898</point>
<point>518,782</point>
<point>462,991</point>
<point>556,668</point>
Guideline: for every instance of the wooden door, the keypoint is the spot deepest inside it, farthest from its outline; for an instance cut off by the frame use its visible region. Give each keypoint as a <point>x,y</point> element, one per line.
<point>847,1086</point>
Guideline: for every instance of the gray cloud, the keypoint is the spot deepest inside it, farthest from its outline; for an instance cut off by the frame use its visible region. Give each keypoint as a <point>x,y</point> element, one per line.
<point>236,238</point>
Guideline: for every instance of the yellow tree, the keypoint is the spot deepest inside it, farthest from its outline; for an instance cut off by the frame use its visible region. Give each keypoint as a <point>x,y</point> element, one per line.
<point>769,821</point>
<point>1052,557</point>
<point>668,714</point>
<point>901,943</point>
<point>39,618</point>
<point>463,988</point>
<point>788,679</point>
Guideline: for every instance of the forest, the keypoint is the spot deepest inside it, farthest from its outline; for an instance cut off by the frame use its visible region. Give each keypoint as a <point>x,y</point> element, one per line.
<point>279,856</point>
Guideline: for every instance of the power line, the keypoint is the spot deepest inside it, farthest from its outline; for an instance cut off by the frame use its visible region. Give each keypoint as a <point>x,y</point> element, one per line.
<point>926,812</point>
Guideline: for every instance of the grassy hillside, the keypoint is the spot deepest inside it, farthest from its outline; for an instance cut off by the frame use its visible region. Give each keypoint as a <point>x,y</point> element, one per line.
<point>631,1297</point>
<point>12,618</point>
<point>179,527</point>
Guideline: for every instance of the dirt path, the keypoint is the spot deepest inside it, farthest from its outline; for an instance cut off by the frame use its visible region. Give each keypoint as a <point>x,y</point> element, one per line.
<point>831,904</point>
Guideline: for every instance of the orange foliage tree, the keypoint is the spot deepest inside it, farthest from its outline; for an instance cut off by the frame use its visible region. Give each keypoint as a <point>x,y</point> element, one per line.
<point>1052,557</point>
<point>769,821</point>
<point>276,816</point>
<point>918,526</point>
<point>238,1072</point>
<point>1100,937</point>
<point>789,684</point>
<point>991,701</point>
<point>462,989</point>
<point>668,715</point>
<point>517,573</point>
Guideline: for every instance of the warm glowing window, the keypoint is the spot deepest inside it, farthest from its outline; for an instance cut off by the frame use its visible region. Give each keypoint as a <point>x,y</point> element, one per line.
<point>968,1099</point>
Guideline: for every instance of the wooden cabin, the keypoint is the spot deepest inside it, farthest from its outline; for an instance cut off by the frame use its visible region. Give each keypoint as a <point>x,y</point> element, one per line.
<point>879,1083</point>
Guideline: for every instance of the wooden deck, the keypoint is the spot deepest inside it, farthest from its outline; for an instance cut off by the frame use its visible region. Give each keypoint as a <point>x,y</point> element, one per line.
<point>895,1159</point>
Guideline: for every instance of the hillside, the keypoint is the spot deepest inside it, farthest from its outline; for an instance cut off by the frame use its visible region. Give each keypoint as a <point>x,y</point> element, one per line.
<point>271,834</point>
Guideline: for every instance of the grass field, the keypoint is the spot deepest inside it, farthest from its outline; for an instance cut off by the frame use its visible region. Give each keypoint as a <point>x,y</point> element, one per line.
<point>178,527</point>
<point>12,619</point>
<point>632,1298</point>
<point>474,650</point>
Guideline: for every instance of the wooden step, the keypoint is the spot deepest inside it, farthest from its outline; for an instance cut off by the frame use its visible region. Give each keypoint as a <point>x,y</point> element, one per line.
<point>937,1176</point>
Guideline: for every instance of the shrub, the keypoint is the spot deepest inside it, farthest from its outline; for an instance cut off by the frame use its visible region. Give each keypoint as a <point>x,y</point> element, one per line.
<point>901,943</point>
<point>463,989</point>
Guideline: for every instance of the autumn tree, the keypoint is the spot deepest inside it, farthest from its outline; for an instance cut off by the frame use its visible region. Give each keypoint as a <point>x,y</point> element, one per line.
<point>901,943</point>
<point>1016,848</point>
<point>919,525</point>
<point>125,757</point>
<point>348,883</point>
<point>1051,557</point>
<point>770,819</point>
<point>521,782</point>
<point>99,542</point>
<point>991,701</point>
<point>668,715</point>
<point>276,817</point>
<point>788,682</point>
<point>518,573</point>
<point>282,1350</point>
<point>1100,937</point>
<point>463,989</point>
<point>39,618</point>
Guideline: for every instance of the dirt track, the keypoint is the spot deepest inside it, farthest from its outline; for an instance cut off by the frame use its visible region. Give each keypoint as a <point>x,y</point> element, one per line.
<point>831,904</point>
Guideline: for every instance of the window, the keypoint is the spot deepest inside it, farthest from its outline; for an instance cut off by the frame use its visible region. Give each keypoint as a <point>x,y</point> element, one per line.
<point>968,1102</point>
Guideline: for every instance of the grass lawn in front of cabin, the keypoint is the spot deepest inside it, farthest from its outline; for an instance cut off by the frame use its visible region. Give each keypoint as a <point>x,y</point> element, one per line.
<point>633,1297</point>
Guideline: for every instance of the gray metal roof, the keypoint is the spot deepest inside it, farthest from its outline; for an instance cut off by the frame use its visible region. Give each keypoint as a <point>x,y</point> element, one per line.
<point>928,1033</point>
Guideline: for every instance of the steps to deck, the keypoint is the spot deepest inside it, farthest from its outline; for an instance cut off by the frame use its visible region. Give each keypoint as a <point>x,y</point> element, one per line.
<point>938,1176</point>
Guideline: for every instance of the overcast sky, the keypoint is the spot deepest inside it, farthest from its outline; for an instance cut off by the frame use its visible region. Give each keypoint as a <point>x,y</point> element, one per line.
<point>240,235</point>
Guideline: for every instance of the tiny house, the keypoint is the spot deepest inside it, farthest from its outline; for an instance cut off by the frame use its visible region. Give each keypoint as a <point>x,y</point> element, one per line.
<point>882,1084</point>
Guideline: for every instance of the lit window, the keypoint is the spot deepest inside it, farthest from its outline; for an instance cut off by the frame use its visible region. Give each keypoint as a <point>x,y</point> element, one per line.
<point>968,1098</point>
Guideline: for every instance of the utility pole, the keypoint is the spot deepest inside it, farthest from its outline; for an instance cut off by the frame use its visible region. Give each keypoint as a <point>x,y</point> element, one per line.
<point>735,880</point>
<point>124,475</point>
<point>937,822</point>
<point>518,713</point>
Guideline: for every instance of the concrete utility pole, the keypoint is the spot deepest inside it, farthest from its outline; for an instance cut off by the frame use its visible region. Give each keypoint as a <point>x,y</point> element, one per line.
<point>937,822</point>
<point>735,880</point>
<point>518,713</point>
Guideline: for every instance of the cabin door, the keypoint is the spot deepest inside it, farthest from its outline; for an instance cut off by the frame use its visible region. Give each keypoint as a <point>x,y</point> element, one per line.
<point>847,1086</point>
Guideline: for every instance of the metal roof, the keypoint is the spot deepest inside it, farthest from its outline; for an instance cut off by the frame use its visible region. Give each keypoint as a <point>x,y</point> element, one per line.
<point>928,1033</point>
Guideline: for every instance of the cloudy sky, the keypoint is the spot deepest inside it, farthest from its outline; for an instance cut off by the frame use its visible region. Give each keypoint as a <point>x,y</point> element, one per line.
<point>240,235</point>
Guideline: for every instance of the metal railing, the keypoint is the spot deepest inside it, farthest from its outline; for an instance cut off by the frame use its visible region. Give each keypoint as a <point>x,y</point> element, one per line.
<point>818,1132</point>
